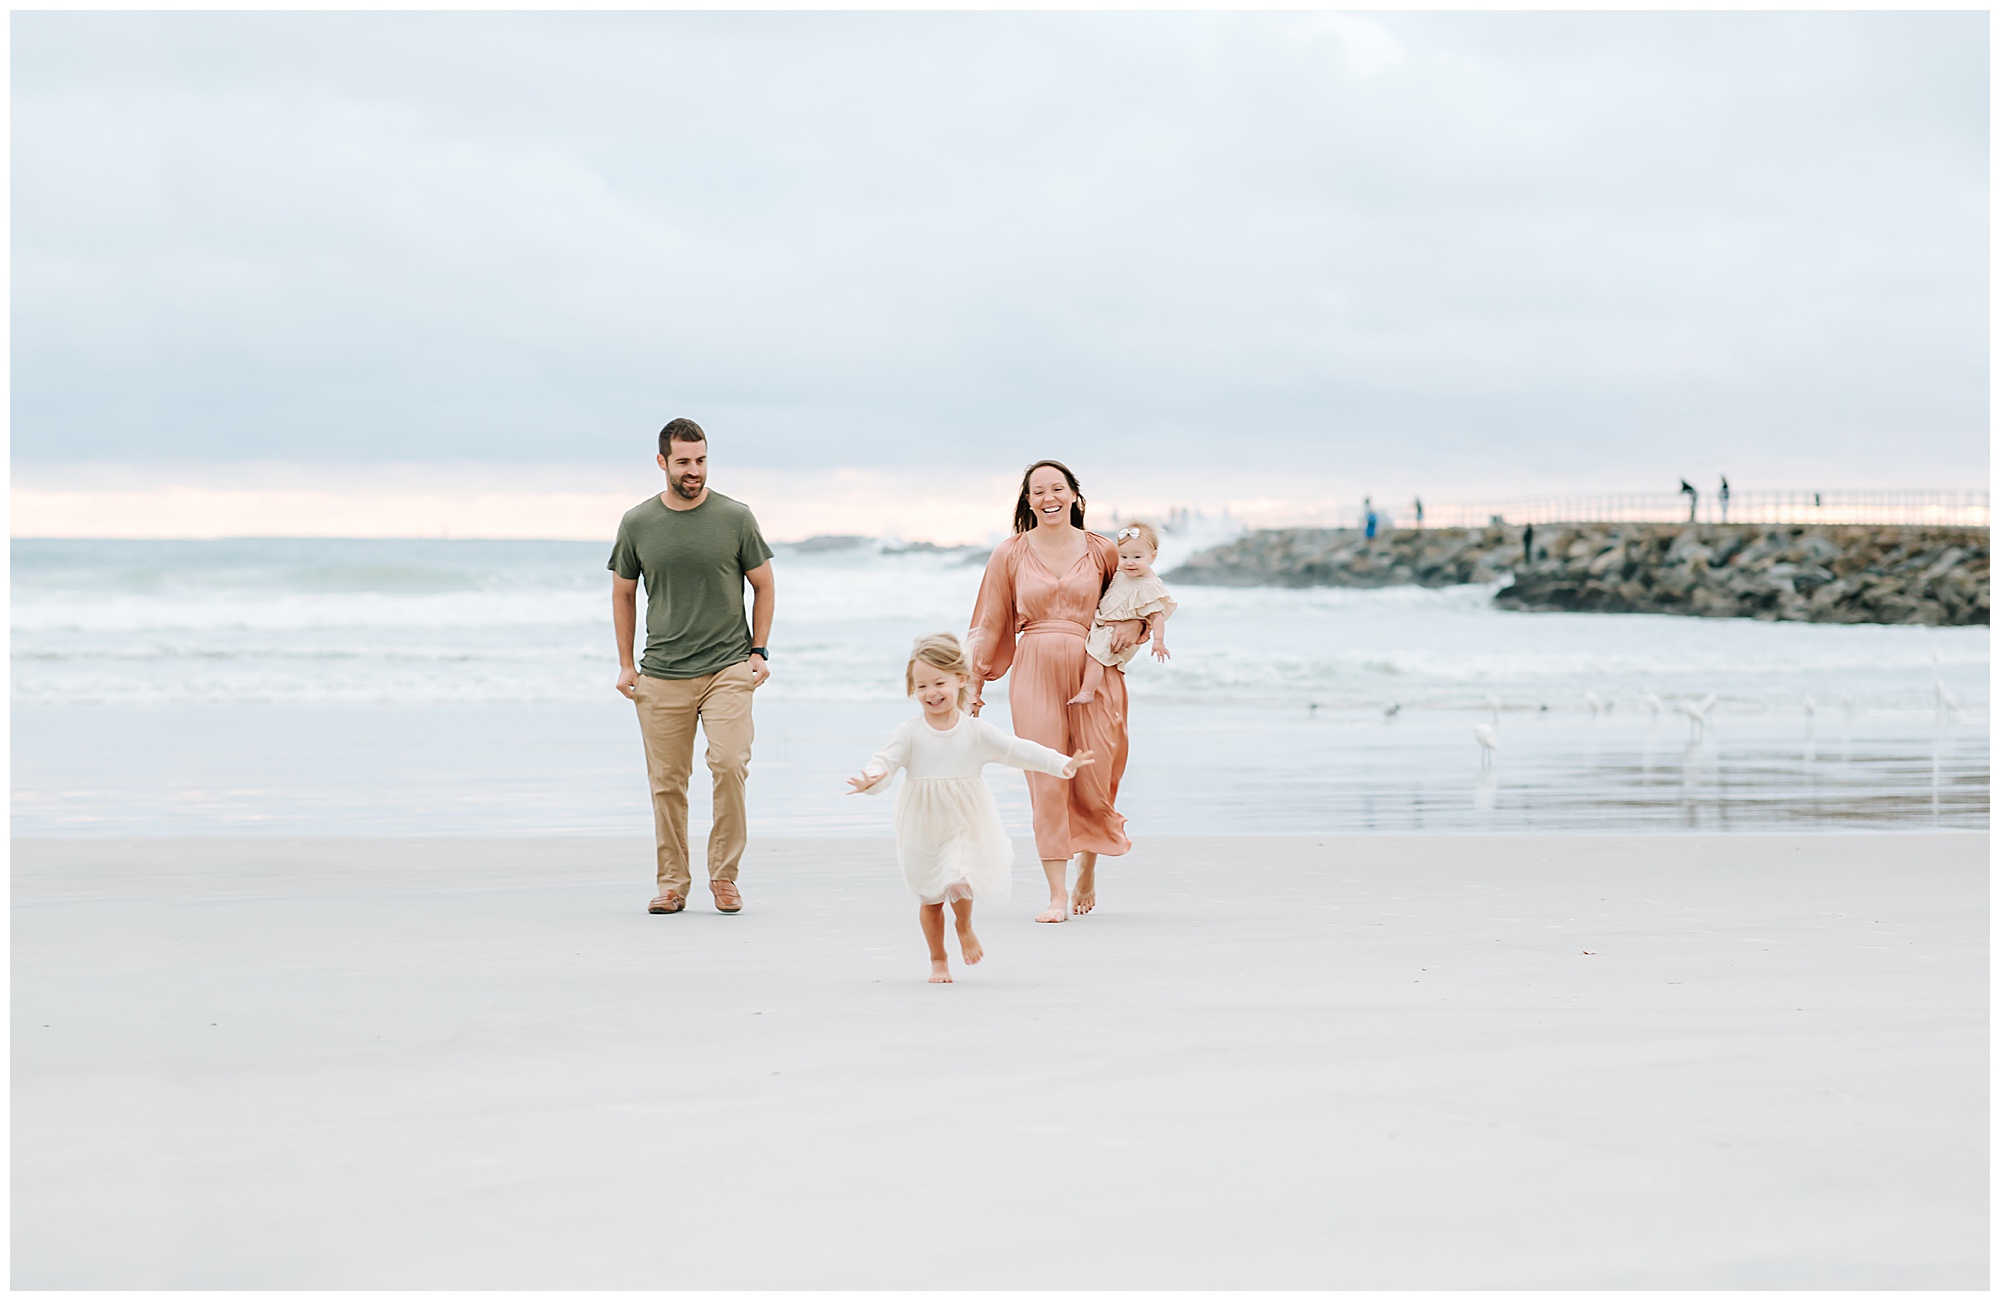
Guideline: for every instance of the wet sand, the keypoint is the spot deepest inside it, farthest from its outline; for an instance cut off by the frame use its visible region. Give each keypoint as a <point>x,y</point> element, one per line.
<point>555,769</point>
<point>1362,1061</point>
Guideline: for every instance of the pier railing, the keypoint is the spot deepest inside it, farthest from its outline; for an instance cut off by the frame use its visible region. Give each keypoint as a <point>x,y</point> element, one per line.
<point>1965,508</point>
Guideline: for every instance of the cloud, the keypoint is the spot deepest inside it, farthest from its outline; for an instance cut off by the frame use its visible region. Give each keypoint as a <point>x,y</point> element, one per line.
<point>1467,245</point>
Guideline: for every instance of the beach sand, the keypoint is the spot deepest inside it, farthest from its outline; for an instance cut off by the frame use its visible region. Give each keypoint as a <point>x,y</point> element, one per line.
<point>1362,1061</point>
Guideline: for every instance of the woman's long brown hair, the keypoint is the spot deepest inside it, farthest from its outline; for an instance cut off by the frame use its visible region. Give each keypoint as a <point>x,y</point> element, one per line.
<point>1024,518</point>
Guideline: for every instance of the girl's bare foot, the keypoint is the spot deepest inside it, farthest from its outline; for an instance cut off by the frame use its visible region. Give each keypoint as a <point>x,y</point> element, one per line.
<point>941,972</point>
<point>1057,911</point>
<point>969,946</point>
<point>1083,697</point>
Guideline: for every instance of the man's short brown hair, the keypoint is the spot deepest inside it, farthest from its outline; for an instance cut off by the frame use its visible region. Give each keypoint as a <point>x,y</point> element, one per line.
<point>680,430</point>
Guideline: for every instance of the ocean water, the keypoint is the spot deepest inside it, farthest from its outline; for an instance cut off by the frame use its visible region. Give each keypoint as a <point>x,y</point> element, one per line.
<point>349,686</point>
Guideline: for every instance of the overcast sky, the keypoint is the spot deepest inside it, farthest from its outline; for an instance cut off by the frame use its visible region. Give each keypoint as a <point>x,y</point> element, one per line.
<point>1551,249</point>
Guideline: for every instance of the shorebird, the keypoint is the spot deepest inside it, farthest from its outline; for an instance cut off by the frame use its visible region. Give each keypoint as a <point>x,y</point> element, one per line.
<point>1392,710</point>
<point>1811,708</point>
<point>1699,713</point>
<point>1653,703</point>
<point>1945,700</point>
<point>1489,743</point>
<point>1493,703</point>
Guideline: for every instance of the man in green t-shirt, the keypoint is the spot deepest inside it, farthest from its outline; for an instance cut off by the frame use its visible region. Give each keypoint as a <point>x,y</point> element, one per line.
<point>695,549</point>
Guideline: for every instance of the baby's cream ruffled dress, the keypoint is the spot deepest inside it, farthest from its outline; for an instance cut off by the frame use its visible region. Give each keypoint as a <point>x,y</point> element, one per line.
<point>948,832</point>
<point>1126,598</point>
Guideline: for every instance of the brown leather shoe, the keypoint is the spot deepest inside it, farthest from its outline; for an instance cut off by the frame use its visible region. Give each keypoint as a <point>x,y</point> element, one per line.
<point>670,902</point>
<point>728,899</point>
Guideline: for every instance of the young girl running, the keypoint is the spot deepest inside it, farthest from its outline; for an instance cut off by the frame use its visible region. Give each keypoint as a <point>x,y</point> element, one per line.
<point>948,834</point>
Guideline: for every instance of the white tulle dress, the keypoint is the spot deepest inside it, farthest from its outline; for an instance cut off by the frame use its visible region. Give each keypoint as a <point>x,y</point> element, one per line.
<point>948,833</point>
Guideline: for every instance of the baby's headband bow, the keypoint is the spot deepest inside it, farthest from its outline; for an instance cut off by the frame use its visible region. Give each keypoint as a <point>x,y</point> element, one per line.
<point>1127,533</point>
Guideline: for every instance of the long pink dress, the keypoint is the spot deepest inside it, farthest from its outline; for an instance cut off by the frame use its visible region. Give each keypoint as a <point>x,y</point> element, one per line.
<point>1035,622</point>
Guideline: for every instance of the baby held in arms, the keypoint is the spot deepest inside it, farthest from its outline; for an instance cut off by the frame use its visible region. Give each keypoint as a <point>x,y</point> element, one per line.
<point>1133,594</point>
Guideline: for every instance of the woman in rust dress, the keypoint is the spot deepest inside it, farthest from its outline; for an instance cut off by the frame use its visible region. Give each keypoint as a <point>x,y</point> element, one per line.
<point>1035,608</point>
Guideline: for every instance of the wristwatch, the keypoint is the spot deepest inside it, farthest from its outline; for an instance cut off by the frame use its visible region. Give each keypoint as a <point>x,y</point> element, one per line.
<point>759,650</point>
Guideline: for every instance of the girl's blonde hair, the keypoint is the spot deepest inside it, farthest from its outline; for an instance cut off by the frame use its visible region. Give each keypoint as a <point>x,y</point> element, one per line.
<point>1143,531</point>
<point>940,650</point>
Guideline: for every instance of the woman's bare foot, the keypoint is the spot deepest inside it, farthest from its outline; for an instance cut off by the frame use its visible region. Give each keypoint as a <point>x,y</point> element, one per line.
<point>941,972</point>
<point>1084,897</point>
<point>969,946</point>
<point>1057,911</point>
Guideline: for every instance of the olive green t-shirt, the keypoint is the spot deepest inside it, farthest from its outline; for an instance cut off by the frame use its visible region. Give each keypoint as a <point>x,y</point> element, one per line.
<point>693,562</point>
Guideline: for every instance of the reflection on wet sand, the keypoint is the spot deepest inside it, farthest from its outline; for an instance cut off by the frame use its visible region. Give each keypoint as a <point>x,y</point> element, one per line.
<point>1709,784</point>
<point>1420,771</point>
<point>1195,771</point>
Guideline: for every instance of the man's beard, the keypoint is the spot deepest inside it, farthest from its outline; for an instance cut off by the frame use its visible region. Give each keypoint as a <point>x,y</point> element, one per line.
<point>686,493</point>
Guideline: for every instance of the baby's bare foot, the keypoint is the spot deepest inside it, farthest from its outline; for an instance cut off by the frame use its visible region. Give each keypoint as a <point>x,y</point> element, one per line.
<point>1083,697</point>
<point>1057,911</point>
<point>941,973</point>
<point>970,947</point>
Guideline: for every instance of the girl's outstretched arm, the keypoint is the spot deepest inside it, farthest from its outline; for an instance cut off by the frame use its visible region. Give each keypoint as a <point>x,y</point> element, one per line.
<point>875,773</point>
<point>997,746</point>
<point>1157,622</point>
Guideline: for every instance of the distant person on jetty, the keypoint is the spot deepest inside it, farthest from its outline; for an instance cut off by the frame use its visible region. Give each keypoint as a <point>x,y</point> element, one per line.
<point>1689,491</point>
<point>1722,498</point>
<point>1528,545</point>
<point>1368,517</point>
<point>949,838</point>
<point>695,548</point>
<point>1134,594</point>
<point>1035,608</point>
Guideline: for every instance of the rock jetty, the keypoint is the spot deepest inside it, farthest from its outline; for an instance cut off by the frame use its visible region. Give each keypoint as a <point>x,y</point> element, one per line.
<point>1817,574</point>
<point>1344,558</point>
<point>1811,573</point>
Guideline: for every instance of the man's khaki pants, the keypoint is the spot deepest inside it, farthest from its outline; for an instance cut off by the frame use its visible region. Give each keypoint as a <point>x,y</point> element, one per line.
<point>668,710</point>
